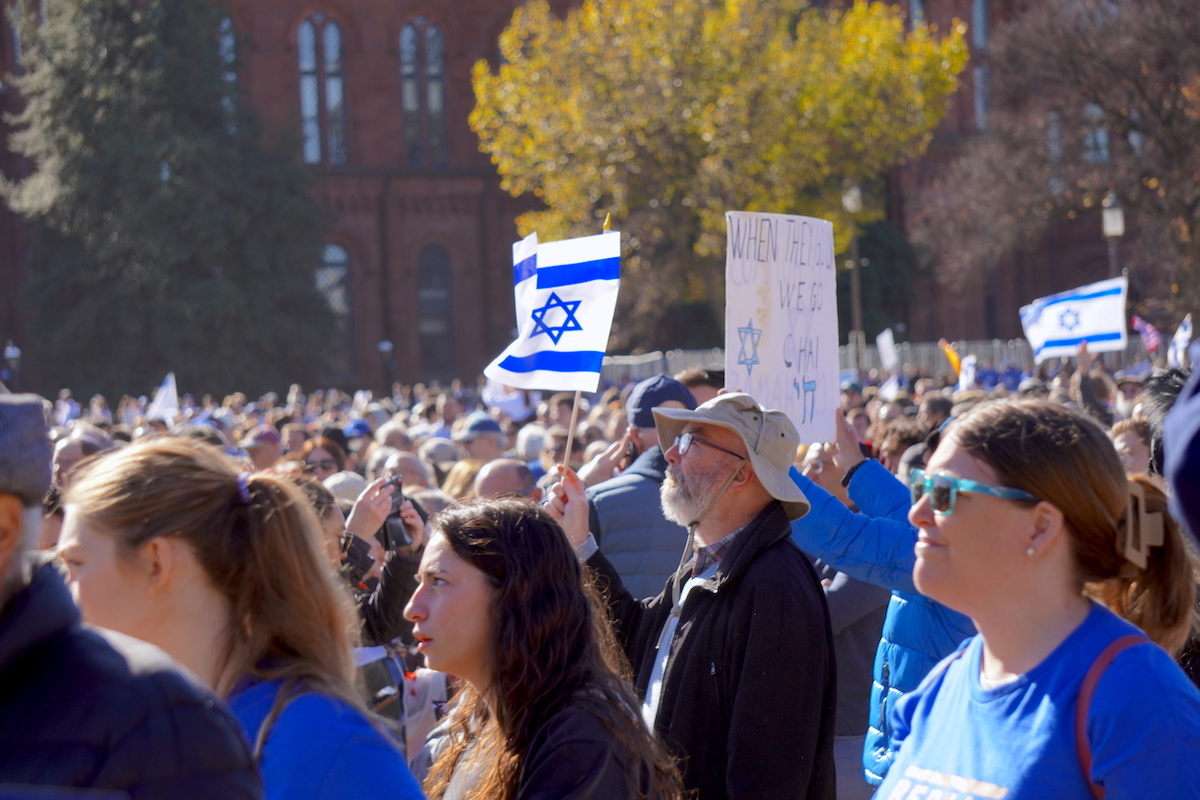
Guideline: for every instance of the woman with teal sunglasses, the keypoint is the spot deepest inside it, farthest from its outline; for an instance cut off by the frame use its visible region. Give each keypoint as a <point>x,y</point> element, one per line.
<point>1024,516</point>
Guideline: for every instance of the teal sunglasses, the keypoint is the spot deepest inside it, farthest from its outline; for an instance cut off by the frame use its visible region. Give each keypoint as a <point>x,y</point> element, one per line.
<point>944,488</point>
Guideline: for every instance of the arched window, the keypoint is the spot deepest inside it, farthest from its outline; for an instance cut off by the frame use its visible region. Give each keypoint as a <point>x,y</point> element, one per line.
<point>423,93</point>
<point>916,12</point>
<point>322,108</point>
<point>979,74</point>
<point>435,312</point>
<point>333,282</point>
<point>227,51</point>
<point>979,23</point>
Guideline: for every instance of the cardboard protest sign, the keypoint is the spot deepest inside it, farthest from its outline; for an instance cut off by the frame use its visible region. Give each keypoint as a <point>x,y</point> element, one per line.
<point>781,329</point>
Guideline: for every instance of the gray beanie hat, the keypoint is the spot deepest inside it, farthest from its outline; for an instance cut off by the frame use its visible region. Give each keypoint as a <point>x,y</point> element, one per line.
<point>25,452</point>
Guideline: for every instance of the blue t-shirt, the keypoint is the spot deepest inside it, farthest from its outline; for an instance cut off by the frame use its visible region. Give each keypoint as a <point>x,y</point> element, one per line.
<point>1017,741</point>
<point>320,748</point>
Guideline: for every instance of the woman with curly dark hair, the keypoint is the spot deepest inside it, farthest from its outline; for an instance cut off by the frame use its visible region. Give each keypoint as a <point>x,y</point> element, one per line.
<point>502,604</point>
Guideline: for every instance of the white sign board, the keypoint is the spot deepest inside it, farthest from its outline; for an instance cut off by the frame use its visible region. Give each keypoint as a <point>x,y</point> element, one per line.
<point>889,357</point>
<point>781,329</point>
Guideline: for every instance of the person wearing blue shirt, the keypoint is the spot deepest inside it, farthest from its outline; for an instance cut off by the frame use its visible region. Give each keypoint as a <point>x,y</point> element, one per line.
<point>168,542</point>
<point>1022,505</point>
<point>877,547</point>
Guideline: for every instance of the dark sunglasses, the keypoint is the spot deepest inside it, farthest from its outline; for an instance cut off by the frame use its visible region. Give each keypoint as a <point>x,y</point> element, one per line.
<point>327,464</point>
<point>944,488</point>
<point>684,442</point>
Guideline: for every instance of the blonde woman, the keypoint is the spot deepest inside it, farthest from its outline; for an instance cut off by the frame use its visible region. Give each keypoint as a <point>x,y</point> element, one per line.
<point>168,542</point>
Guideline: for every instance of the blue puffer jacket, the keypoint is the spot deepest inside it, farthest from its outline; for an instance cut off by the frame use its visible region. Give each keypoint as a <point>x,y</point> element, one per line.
<point>876,546</point>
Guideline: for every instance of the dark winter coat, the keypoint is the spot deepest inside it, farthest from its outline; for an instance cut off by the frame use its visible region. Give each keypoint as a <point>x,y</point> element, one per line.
<point>749,692</point>
<point>88,708</point>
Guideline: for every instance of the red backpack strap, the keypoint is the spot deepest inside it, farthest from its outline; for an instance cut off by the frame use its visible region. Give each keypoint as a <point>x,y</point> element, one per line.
<point>1084,701</point>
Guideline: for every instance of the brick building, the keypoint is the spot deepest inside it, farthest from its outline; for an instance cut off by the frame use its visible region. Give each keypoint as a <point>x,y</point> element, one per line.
<point>418,255</point>
<point>985,306</point>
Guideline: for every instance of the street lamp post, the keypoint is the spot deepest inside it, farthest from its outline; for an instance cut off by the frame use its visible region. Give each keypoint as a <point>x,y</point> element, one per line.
<point>1113,222</point>
<point>385,349</point>
<point>852,202</point>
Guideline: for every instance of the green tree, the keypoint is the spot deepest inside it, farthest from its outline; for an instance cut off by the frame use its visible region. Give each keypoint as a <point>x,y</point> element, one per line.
<point>171,234</point>
<point>668,113</point>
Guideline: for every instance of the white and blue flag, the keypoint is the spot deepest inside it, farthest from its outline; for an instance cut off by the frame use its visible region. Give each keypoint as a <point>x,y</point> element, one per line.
<point>1177,351</point>
<point>566,293</point>
<point>1095,314</point>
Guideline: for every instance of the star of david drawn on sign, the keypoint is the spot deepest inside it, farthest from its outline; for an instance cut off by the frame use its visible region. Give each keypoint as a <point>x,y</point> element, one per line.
<point>569,322</point>
<point>750,335</point>
<point>1069,319</point>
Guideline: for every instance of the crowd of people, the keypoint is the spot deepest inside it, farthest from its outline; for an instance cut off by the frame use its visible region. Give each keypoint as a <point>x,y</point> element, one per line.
<point>655,591</point>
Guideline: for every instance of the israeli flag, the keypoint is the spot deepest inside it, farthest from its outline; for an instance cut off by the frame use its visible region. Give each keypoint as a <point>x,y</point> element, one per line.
<point>566,293</point>
<point>1095,314</point>
<point>1179,343</point>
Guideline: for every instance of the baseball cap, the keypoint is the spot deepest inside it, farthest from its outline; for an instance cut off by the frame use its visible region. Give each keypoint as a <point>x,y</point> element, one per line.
<point>259,434</point>
<point>357,427</point>
<point>477,425</point>
<point>770,438</point>
<point>654,392</point>
<point>25,452</point>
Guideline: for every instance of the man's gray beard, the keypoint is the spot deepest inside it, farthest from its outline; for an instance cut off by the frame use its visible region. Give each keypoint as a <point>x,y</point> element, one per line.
<point>681,503</point>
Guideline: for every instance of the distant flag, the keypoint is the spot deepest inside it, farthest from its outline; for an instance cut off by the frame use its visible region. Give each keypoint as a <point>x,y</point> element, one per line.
<point>951,355</point>
<point>565,293</point>
<point>1177,350</point>
<point>888,357</point>
<point>1149,333</point>
<point>889,390</point>
<point>1095,314</point>
<point>966,375</point>
<point>165,405</point>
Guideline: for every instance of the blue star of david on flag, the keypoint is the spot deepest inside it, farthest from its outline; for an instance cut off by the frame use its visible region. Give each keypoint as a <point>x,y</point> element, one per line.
<point>1056,324</point>
<point>569,286</point>
<point>569,323</point>
<point>749,335</point>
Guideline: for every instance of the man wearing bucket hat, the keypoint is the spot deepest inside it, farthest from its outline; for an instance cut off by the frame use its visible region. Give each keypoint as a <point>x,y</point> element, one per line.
<point>626,511</point>
<point>734,660</point>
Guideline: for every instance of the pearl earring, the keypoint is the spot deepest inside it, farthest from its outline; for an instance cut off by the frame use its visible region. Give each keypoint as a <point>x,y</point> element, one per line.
<point>1030,551</point>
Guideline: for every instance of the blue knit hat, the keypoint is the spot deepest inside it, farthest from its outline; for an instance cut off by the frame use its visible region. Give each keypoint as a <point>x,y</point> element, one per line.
<point>651,393</point>
<point>25,452</point>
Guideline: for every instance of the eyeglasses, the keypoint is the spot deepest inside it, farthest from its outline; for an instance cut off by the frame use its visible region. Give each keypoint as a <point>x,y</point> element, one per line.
<point>327,464</point>
<point>943,489</point>
<point>684,442</point>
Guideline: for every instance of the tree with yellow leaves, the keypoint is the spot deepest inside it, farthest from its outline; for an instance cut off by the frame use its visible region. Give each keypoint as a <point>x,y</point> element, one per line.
<point>668,113</point>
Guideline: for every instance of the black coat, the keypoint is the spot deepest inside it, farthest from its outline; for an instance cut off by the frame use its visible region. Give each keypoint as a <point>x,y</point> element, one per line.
<point>87,708</point>
<point>749,693</point>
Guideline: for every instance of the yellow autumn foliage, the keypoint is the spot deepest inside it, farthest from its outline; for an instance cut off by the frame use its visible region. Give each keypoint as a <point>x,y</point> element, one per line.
<point>668,113</point>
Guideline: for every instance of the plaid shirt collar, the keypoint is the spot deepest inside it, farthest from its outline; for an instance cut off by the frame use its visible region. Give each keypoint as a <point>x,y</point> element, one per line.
<point>710,555</point>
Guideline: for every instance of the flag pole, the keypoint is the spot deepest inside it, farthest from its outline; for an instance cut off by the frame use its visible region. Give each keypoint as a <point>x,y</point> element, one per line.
<point>579,394</point>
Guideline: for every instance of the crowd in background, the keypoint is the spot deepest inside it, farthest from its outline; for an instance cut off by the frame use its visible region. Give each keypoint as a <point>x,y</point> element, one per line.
<point>384,474</point>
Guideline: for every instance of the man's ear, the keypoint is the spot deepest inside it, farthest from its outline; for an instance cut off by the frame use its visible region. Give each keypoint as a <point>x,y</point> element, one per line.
<point>12,513</point>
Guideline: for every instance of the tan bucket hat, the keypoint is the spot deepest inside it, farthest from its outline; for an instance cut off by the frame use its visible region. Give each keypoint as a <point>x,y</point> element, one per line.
<point>770,438</point>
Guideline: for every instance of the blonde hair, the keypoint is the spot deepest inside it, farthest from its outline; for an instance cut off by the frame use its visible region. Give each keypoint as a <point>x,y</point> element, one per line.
<point>1065,458</point>
<point>257,539</point>
<point>460,480</point>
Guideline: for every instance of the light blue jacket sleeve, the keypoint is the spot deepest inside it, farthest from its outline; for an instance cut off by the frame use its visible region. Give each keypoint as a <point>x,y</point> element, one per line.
<point>878,551</point>
<point>879,493</point>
